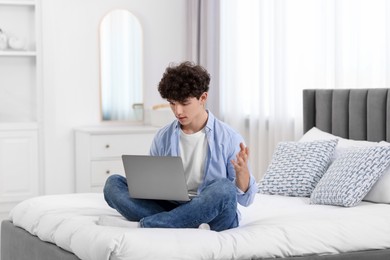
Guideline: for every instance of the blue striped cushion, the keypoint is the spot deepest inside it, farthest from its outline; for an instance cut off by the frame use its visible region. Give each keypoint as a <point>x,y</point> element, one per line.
<point>296,167</point>
<point>351,176</point>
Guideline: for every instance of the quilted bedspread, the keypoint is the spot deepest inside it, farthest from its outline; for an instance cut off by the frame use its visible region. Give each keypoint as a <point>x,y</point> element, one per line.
<point>273,226</point>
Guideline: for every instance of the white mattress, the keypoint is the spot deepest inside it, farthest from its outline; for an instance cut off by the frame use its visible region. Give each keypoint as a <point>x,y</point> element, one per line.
<point>273,226</point>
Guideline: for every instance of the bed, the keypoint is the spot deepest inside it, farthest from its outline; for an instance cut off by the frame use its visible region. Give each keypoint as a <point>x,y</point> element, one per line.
<point>276,225</point>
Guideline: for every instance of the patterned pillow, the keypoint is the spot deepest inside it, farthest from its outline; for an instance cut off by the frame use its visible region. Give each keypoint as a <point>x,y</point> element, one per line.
<point>296,167</point>
<point>351,176</point>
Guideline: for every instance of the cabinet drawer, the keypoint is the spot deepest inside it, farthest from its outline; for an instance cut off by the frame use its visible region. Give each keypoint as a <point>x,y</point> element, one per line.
<point>116,145</point>
<point>100,170</point>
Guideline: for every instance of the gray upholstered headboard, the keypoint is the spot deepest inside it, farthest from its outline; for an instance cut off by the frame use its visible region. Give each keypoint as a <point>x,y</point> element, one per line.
<point>360,114</point>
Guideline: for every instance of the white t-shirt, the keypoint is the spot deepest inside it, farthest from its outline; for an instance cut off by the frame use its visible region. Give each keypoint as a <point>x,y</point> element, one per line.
<point>193,150</point>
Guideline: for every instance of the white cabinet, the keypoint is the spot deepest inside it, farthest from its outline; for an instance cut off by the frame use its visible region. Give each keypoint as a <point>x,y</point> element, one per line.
<point>99,151</point>
<point>20,102</point>
<point>19,178</point>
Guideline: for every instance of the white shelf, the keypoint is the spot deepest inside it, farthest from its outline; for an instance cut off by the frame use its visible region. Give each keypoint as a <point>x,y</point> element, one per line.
<point>24,3</point>
<point>19,126</point>
<point>17,53</point>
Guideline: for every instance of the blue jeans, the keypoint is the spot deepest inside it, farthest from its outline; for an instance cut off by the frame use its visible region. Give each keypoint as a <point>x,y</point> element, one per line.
<point>216,205</point>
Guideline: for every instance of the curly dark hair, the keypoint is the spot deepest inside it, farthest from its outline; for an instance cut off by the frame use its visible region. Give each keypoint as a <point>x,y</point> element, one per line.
<point>183,81</point>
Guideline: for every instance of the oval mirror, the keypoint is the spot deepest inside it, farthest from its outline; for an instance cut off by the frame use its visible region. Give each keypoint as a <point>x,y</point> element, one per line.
<point>121,74</point>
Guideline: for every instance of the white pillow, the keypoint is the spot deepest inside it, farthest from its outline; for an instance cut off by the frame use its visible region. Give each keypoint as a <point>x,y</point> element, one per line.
<point>316,134</point>
<point>343,144</point>
<point>296,167</point>
<point>351,176</point>
<point>380,192</point>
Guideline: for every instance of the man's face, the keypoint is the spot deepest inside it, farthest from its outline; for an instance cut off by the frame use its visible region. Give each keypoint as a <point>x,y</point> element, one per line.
<point>190,110</point>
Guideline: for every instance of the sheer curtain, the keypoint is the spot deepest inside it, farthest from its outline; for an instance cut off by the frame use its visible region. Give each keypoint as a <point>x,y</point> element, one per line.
<point>269,50</point>
<point>203,34</point>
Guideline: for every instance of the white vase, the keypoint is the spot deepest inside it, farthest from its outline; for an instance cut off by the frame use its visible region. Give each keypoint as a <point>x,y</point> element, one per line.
<point>16,43</point>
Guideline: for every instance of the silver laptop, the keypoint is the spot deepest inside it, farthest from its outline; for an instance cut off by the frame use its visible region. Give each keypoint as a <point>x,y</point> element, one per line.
<point>155,177</point>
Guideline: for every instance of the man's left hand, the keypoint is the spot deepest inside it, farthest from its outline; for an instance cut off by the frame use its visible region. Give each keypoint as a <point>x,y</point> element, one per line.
<point>241,167</point>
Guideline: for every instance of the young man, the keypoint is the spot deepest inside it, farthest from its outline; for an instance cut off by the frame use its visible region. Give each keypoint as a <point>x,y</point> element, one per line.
<point>214,157</point>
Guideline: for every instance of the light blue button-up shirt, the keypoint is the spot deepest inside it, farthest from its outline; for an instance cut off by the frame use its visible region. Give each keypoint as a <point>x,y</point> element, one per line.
<point>223,146</point>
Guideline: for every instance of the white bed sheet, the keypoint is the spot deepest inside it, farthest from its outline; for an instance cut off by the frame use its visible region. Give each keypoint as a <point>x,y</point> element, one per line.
<point>273,226</point>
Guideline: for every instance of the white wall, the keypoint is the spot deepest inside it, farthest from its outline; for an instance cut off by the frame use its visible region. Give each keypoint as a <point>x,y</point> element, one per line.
<point>71,69</point>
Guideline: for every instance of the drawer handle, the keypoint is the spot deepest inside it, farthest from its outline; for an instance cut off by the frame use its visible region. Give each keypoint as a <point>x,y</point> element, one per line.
<point>108,172</point>
<point>107,146</point>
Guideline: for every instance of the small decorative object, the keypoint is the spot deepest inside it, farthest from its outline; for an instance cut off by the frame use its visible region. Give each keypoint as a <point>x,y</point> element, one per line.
<point>161,114</point>
<point>3,40</point>
<point>16,43</point>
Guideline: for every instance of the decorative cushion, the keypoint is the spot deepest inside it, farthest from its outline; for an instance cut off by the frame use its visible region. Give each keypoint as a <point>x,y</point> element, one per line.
<point>296,167</point>
<point>379,193</point>
<point>351,176</point>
